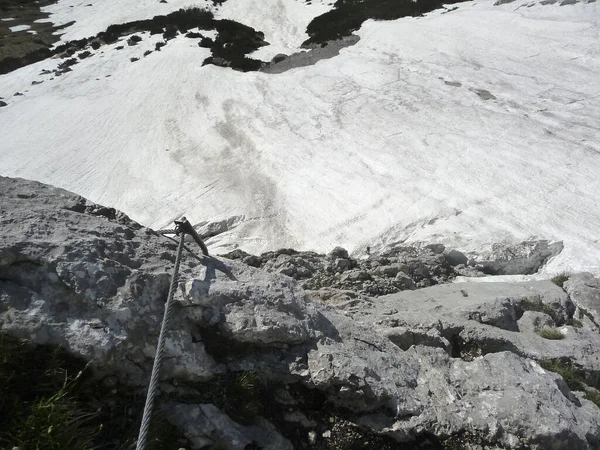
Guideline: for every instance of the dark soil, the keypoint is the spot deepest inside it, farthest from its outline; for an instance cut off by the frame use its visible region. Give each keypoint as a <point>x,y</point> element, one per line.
<point>348,15</point>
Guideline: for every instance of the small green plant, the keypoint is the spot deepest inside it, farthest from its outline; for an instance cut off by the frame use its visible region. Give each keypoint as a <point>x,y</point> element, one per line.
<point>533,305</point>
<point>560,279</point>
<point>37,406</point>
<point>55,422</point>
<point>551,333</point>
<point>238,395</point>
<point>572,322</point>
<point>575,378</point>
<point>48,401</point>
<point>593,396</point>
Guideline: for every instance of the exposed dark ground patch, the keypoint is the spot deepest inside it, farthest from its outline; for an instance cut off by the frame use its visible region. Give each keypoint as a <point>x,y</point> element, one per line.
<point>176,22</point>
<point>233,42</point>
<point>348,15</point>
<point>20,48</point>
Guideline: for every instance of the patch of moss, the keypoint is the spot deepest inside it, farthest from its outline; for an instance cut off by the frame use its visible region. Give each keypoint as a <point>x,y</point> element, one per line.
<point>551,333</point>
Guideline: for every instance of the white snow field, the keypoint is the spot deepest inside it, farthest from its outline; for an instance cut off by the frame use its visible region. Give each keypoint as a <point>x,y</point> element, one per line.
<point>466,127</point>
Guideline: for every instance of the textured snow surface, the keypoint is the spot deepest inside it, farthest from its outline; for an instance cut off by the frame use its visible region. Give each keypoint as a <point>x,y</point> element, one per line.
<point>469,127</point>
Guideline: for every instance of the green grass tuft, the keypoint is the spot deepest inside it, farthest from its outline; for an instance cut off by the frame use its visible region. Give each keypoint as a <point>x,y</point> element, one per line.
<point>572,322</point>
<point>560,279</point>
<point>48,401</point>
<point>575,378</point>
<point>236,394</point>
<point>38,408</point>
<point>55,422</point>
<point>593,396</point>
<point>551,333</point>
<point>533,305</point>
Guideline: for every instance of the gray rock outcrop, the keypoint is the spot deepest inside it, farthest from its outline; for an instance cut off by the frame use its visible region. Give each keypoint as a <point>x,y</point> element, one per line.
<point>453,365</point>
<point>399,268</point>
<point>584,291</point>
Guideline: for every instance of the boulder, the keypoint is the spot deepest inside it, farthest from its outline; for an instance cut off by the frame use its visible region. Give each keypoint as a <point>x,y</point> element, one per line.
<point>455,258</point>
<point>133,40</point>
<point>207,426</point>
<point>533,321</point>
<point>523,258</point>
<point>338,252</point>
<point>584,291</point>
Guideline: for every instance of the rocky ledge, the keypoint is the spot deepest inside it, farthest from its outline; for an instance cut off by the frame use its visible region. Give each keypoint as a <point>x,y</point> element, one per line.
<point>453,365</point>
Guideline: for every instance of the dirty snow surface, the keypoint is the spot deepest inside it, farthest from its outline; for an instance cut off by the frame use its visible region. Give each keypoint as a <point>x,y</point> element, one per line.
<point>467,126</point>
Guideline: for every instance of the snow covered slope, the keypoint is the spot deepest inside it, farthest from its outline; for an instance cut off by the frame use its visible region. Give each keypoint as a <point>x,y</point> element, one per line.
<point>466,127</point>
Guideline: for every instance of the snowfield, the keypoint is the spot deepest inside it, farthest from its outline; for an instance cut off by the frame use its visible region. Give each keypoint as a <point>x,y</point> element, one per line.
<point>466,127</point>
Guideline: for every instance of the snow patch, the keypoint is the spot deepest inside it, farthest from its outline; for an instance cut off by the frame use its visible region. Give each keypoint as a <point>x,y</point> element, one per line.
<point>18,28</point>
